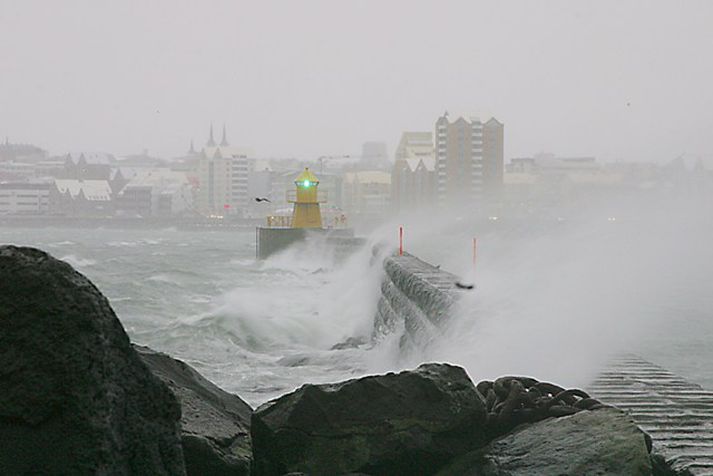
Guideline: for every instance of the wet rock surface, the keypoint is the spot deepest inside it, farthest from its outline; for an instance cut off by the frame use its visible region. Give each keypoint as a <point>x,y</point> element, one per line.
<point>408,423</point>
<point>215,425</point>
<point>604,441</point>
<point>511,401</point>
<point>76,398</point>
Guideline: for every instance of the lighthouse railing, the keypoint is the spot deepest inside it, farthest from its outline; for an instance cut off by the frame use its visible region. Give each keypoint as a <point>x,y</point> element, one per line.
<point>322,196</point>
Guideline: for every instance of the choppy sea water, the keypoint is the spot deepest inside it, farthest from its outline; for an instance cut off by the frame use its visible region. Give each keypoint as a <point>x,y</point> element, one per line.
<point>258,329</point>
<point>544,306</point>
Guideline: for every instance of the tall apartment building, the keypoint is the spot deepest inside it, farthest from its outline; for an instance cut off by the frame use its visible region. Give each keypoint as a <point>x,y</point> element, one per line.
<point>469,159</point>
<point>493,157</point>
<point>413,176</point>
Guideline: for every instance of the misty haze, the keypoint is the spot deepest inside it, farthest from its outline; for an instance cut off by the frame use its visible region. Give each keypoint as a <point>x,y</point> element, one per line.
<point>382,238</point>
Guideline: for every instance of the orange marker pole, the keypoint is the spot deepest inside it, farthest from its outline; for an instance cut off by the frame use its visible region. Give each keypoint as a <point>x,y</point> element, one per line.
<point>401,241</point>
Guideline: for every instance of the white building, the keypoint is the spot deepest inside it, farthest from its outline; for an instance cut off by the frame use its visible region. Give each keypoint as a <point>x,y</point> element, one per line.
<point>22,198</point>
<point>413,176</point>
<point>16,171</point>
<point>155,192</point>
<point>223,178</point>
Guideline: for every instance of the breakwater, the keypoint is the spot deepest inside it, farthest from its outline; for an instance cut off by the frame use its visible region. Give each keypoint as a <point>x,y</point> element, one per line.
<point>417,297</point>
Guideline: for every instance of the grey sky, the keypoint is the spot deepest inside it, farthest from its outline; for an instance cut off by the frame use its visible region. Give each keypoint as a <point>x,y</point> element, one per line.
<point>615,79</point>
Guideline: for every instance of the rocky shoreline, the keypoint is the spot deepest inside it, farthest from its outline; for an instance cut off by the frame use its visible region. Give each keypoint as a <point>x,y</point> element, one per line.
<point>78,398</point>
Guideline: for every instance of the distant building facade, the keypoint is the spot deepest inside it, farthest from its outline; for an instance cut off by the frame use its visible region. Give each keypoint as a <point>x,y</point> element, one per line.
<point>84,198</point>
<point>493,157</point>
<point>24,198</point>
<point>413,175</point>
<point>155,192</point>
<point>469,159</point>
<point>366,193</point>
<point>223,178</point>
<point>374,156</point>
<point>26,153</point>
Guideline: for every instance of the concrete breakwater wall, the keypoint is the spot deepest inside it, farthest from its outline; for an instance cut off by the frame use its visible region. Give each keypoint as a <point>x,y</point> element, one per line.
<point>417,298</point>
<point>416,295</point>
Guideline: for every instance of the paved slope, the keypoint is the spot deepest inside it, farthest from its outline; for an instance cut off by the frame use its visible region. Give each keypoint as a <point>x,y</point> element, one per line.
<point>676,413</point>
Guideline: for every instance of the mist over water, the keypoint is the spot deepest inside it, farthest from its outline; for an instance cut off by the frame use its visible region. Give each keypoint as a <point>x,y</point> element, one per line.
<point>556,295</point>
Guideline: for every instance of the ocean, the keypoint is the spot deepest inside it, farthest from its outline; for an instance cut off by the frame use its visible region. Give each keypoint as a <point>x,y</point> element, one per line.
<point>553,303</point>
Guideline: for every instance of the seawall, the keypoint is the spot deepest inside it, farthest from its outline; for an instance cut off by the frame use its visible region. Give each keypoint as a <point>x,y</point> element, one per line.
<point>416,295</point>
<point>417,298</point>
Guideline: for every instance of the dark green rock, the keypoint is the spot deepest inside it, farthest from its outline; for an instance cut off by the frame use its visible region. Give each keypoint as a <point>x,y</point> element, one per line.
<point>75,397</point>
<point>604,441</point>
<point>412,422</point>
<point>215,425</point>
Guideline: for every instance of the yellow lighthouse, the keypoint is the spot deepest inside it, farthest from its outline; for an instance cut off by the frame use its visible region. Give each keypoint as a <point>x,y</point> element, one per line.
<point>306,212</point>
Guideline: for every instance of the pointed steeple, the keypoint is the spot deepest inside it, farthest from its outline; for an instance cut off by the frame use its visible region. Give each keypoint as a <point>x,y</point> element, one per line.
<point>211,141</point>
<point>224,142</point>
<point>192,150</point>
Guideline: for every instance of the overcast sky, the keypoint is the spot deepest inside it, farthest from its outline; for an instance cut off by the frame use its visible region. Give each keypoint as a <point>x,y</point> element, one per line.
<point>615,79</point>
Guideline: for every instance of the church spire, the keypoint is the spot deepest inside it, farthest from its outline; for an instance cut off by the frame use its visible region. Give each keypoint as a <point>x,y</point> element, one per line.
<point>192,150</point>
<point>211,141</point>
<point>224,142</point>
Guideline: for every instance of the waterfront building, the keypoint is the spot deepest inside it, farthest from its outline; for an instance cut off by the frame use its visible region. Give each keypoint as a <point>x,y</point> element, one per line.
<point>374,156</point>
<point>155,192</point>
<point>51,168</point>
<point>24,198</point>
<point>98,167</point>
<point>366,193</point>
<point>26,153</point>
<point>548,180</point>
<point>413,175</point>
<point>12,171</point>
<point>223,178</point>
<point>469,159</point>
<point>493,157</point>
<point>459,160</point>
<point>86,198</point>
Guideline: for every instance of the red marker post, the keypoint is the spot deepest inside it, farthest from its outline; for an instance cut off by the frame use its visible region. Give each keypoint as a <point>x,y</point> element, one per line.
<point>475,254</point>
<point>401,241</point>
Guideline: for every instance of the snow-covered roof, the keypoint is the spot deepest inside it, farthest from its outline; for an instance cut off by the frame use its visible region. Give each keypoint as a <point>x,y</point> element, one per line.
<point>95,190</point>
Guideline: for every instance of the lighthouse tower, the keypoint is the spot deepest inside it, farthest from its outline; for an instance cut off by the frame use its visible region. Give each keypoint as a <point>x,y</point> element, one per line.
<point>306,212</point>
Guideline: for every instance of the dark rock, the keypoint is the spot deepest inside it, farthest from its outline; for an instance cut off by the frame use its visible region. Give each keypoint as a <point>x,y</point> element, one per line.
<point>512,401</point>
<point>408,423</point>
<point>604,441</point>
<point>215,425</point>
<point>76,398</point>
<point>350,343</point>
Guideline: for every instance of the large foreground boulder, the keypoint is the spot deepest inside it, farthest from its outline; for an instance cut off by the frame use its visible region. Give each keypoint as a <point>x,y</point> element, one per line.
<point>75,398</point>
<point>604,441</point>
<point>408,423</point>
<point>215,425</point>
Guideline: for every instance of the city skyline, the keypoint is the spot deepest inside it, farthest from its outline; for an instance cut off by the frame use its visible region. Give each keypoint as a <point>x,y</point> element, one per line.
<point>327,78</point>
